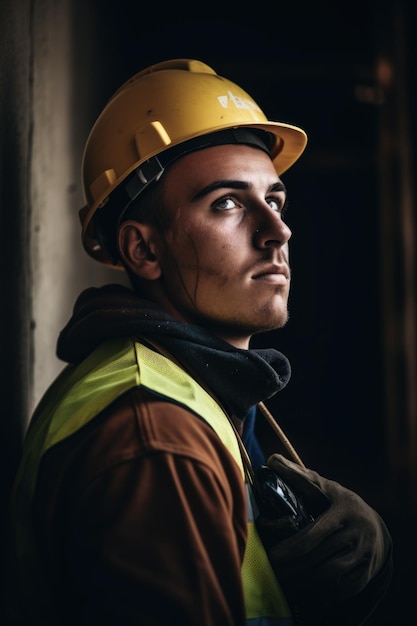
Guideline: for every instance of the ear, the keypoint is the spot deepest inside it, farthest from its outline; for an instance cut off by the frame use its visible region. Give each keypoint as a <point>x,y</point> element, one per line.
<point>137,249</point>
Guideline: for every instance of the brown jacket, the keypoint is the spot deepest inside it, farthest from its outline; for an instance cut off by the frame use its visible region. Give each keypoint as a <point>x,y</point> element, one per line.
<point>142,520</point>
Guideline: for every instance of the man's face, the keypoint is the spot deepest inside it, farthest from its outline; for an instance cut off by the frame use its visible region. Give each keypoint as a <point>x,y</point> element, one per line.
<point>224,259</point>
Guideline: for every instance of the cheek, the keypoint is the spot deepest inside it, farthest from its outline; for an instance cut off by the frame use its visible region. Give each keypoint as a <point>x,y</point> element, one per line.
<point>199,248</point>
<point>216,261</point>
<point>200,266</point>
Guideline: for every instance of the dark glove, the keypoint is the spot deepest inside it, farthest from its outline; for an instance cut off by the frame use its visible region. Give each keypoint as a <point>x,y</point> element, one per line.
<point>337,568</point>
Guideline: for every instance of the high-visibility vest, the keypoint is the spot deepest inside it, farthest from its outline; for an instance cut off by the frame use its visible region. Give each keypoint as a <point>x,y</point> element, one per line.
<point>79,394</point>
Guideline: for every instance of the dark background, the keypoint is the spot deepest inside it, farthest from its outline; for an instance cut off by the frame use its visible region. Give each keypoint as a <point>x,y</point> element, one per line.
<point>303,64</point>
<point>315,65</point>
<point>310,65</point>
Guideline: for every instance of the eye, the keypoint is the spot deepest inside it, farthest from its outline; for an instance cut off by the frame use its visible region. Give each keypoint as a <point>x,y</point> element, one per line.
<point>275,204</point>
<point>280,205</point>
<point>226,203</point>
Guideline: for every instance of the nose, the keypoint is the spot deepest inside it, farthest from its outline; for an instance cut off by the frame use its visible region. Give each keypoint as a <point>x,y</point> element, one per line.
<point>271,230</point>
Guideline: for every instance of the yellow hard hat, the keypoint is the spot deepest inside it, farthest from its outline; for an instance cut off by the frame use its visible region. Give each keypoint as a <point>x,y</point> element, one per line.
<point>157,109</point>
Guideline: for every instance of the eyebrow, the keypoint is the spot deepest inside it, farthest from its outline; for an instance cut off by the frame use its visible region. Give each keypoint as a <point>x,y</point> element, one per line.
<point>235,184</point>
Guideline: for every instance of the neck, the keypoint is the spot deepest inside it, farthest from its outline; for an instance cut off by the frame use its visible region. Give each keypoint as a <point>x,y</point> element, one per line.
<point>158,296</point>
<point>237,342</point>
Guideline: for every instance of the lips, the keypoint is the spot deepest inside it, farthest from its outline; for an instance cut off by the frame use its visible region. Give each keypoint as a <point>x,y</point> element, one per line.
<point>273,272</point>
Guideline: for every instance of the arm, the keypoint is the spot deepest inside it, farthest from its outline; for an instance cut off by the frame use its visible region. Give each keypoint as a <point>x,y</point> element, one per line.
<point>156,525</point>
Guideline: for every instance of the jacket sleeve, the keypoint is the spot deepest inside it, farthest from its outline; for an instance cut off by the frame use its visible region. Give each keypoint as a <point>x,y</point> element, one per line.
<point>148,524</point>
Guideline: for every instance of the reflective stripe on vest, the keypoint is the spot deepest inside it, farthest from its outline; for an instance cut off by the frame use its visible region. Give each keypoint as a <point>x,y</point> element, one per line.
<point>79,394</point>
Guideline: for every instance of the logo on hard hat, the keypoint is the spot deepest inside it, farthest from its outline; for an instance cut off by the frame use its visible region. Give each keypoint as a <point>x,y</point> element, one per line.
<point>240,103</point>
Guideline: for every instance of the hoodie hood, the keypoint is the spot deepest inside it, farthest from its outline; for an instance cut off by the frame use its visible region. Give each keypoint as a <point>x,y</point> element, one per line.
<point>239,378</point>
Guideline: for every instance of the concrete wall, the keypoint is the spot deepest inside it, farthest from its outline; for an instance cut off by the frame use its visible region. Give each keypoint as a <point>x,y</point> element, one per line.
<point>49,97</point>
<point>50,92</point>
<point>61,108</point>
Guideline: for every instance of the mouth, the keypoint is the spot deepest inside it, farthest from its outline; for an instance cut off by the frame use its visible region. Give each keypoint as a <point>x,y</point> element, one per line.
<point>275,274</point>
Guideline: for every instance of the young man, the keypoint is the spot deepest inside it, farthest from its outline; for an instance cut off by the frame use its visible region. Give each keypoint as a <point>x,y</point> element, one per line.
<point>134,503</point>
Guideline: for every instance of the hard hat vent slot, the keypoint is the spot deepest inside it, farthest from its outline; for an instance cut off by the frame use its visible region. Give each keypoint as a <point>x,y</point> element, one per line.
<point>151,138</point>
<point>102,183</point>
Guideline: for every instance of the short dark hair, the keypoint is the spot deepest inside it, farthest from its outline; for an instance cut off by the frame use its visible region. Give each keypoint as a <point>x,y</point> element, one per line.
<point>149,207</point>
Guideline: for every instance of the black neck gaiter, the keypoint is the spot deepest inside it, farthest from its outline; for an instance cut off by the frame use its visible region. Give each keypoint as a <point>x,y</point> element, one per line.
<point>238,378</point>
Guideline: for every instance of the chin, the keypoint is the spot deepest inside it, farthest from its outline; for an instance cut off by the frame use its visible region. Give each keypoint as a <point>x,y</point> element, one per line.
<point>266,328</point>
<point>273,321</point>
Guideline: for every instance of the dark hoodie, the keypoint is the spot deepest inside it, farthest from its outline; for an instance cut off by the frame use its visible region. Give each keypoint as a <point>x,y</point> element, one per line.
<point>239,378</point>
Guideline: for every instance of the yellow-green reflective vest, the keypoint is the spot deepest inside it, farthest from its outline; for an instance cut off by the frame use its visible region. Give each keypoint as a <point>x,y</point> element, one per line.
<point>79,394</point>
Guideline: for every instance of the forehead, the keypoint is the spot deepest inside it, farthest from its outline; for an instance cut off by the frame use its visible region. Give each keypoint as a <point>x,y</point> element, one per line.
<point>226,162</point>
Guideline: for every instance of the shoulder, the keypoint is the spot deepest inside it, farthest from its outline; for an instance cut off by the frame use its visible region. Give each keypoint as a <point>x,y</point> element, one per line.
<point>143,423</point>
<point>137,426</point>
